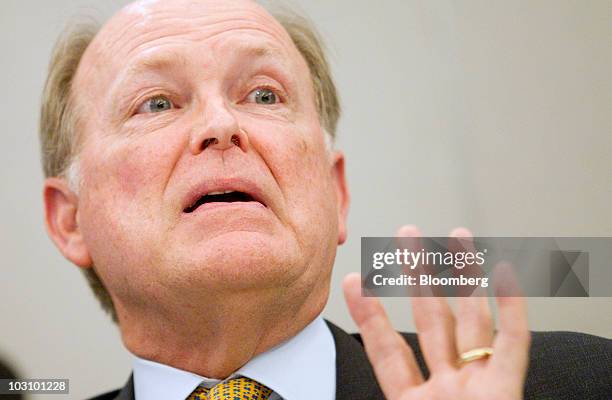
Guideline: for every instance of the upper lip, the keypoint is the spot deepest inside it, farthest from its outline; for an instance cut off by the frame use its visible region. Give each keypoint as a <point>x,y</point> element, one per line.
<point>224,185</point>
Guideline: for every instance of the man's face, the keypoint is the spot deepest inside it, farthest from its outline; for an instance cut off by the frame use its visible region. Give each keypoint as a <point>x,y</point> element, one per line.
<point>181,102</point>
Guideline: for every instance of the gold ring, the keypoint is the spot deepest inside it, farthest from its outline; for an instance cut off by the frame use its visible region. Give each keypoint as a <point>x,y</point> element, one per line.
<point>474,354</point>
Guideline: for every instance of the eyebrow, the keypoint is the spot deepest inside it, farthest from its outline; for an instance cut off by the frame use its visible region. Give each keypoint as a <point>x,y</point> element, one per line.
<point>257,51</point>
<point>175,59</point>
<point>166,60</point>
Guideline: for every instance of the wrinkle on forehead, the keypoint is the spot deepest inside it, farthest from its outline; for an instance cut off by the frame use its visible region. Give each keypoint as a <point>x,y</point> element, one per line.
<point>142,24</point>
<point>150,19</point>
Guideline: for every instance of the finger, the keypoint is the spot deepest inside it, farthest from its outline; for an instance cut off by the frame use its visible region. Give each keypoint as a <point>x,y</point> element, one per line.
<point>435,326</point>
<point>474,326</point>
<point>392,359</point>
<point>432,315</point>
<point>461,243</point>
<point>408,237</point>
<point>511,346</point>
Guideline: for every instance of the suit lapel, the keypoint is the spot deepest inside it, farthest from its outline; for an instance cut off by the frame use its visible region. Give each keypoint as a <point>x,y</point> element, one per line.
<point>355,378</point>
<point>127,392</point>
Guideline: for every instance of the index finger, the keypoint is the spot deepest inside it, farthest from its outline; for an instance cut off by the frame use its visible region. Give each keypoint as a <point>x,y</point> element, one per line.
<point>392,359</point>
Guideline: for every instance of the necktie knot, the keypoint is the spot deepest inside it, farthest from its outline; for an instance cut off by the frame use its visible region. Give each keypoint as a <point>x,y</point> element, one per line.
<point>241,388</point>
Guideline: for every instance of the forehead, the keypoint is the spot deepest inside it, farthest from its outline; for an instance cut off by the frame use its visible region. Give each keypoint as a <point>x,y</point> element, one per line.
<point>151,28</point>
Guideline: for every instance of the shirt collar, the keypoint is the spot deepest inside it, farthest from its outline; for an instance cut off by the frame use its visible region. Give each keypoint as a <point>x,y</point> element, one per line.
<point>301,368</point>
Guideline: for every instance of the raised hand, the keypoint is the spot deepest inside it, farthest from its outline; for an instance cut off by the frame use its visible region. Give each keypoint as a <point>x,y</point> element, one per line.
<point>443,338</point>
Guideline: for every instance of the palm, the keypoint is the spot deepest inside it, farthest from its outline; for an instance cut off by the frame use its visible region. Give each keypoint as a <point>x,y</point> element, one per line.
<point>462,385</point>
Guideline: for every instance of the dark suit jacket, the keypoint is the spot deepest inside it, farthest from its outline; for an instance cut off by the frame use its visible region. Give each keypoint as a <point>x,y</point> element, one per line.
<point>563,365</point>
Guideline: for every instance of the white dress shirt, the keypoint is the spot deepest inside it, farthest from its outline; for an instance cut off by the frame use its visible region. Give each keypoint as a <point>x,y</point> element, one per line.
<point>301,368</point>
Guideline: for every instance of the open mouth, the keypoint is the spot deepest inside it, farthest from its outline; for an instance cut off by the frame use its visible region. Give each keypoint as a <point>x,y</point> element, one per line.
<point>220,197</point>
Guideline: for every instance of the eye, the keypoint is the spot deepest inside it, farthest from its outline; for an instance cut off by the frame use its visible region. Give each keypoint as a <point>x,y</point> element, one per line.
<point>263,96</point>
<point>155,104</point>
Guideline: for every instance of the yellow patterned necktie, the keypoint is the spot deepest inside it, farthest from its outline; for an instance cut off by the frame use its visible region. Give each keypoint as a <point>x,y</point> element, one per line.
<point>241,388</point>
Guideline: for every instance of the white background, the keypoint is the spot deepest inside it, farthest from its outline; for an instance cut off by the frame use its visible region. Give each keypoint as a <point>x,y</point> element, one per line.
<point>495,115</point>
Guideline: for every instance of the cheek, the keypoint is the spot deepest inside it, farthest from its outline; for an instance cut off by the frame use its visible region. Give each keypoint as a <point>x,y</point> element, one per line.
<point>132,175</point>
<point>122,197</point>
<point>138,171</point>
<point>298,159</point>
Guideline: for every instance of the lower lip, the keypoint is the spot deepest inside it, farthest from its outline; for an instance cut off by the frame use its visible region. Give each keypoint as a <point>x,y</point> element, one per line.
<point>221,204</point>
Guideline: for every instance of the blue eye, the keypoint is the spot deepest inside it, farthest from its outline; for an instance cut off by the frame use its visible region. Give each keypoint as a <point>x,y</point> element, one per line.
<point>155,104</point>
<point>263,96</point>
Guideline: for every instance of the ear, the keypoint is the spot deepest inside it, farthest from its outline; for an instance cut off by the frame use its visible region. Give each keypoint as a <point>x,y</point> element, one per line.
<point>61,218</point>
<point>342,194</point>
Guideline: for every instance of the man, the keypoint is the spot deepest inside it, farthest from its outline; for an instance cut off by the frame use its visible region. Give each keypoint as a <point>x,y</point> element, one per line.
<point>190,173</point>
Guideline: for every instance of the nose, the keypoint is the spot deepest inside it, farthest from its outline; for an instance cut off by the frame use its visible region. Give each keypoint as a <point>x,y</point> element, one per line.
<point>220,130</point>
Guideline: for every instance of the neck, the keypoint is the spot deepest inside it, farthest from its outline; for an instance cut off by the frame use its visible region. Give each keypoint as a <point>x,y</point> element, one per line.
<point>215,338</point>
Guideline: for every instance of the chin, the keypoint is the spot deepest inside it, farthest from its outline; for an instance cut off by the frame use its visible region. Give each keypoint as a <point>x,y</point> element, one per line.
<point>241,260</point>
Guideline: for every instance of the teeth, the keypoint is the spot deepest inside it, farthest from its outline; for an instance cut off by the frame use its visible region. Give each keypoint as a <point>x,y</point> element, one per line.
<point>225,192</point>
